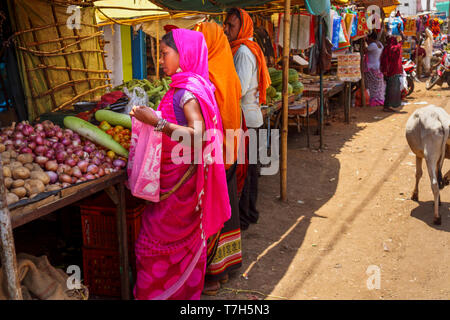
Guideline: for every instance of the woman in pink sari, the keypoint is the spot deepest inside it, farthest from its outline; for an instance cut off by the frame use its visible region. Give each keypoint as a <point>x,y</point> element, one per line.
<point>171,248</point>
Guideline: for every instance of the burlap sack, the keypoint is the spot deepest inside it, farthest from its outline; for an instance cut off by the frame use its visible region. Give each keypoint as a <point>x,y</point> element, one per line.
<point>41,281</point>
<point>22,269</point>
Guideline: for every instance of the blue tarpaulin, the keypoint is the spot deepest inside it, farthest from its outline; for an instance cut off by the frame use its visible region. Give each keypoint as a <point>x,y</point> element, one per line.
<point>318,7</point>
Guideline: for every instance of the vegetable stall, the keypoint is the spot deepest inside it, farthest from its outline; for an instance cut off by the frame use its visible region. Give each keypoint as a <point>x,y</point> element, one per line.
<point>57,157</point>
<point>63,155</point>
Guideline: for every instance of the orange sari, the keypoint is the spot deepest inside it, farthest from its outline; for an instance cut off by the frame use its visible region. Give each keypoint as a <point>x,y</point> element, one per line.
<point>222,74</point>
<point>244,36</point>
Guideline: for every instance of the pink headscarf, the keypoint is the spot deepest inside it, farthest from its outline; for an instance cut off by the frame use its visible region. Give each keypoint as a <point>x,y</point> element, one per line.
<point>194,77</point>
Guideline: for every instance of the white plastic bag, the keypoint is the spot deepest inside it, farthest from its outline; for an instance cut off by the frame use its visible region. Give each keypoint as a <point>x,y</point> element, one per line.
<point>403,81</point>
<point>138,97</point>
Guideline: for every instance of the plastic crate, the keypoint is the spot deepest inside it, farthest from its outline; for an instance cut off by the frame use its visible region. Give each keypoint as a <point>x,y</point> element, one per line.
<point>99,222</point>
<point>101,270</point>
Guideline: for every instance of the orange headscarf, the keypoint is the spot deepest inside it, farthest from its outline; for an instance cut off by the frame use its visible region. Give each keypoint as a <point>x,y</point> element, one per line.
<point>243,37</point>
<point>222,74</point>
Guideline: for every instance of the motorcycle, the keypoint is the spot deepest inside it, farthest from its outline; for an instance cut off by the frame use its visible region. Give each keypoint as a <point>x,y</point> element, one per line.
<point>442,73</point>
<point>410,69</point>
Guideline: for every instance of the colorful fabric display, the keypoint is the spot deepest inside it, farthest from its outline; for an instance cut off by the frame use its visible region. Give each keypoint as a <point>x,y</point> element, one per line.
<point>349,22</point>
<point>420,27</point>
<point>354,32</point>
<point>396,25</point>
<point>363,30</point>
<point>344,40</point>
<point>336,30</point>
<point>349,68</point>
<point>410,27</point>
<point>435,27</point>
<point>302,31</point>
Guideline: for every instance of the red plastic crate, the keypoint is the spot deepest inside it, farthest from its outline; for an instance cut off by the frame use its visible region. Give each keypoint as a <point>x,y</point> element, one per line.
<point>101,269</point>
<point>99,222</point>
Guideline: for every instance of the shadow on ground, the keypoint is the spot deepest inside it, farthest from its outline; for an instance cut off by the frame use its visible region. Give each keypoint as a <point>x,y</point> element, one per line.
<point>270,246</point>
<point>425,213</point>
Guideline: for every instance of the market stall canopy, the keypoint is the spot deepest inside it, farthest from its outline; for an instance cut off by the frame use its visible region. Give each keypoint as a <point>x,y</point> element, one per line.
<point>207,6</point>
<point>442,5</point>
<point>117,9</point>
<point>379,3</point>
<point>318,7</point>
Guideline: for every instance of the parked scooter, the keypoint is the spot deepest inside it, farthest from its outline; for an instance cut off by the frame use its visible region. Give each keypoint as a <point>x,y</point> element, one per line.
<point>442,73</point>
<point>410,69</point>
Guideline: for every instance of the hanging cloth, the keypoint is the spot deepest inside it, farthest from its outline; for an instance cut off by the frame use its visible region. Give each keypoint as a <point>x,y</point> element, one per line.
<point>344,41</point>
<point>336,32</point>
<point>410,27</point>
<point>363,30</point>
<point>302,31</point>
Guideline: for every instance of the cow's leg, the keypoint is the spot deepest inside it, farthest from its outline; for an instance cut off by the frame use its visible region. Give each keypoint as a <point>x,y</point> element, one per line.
<point>419,172</point>
<point>440,180</point>
<point>432,161</point>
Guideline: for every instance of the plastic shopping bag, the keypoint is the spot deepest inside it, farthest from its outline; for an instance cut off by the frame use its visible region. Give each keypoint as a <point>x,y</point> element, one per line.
<point>137,97</point>
<point>144,161</point>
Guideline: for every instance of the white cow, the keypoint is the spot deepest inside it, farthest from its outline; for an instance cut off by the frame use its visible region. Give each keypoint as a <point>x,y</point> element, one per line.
<point>427,132</point>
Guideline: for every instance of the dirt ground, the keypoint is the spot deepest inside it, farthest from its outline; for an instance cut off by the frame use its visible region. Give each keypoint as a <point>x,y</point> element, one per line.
<point>349,217</point>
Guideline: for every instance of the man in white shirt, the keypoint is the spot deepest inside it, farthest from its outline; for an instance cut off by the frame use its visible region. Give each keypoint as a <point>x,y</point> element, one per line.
<point>238,27</point>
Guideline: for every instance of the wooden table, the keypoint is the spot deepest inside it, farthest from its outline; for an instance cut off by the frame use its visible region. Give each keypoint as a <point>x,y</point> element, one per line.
<point>113,184</point>
<point>330,89</point>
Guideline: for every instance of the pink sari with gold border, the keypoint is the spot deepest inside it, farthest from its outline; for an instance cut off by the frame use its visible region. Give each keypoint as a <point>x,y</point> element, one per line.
<point>171,248</point>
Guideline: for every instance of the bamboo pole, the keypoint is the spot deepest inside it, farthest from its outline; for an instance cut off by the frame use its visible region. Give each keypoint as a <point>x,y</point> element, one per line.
<point>82,95</point>
<point>7,248</point>
<point>41,59</point>
<point>157,49</point>
<point>61,39</point>
<point>61,42</point>
<point>39,53</point>
<point>41,66</point>
<point>363,81</point>
<point>70,83</point>
<point>321,118</point>
<point>32,44</point>
<point>83,60</point>
<point>284,131</point>
<point>50,26</point>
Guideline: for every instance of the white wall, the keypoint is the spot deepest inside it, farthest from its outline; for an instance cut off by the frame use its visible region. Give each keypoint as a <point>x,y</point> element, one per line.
<point>114,53</point>
<point>407,8</point>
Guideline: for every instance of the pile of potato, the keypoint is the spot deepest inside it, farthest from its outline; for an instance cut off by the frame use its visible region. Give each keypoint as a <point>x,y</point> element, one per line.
<point>23,178</point>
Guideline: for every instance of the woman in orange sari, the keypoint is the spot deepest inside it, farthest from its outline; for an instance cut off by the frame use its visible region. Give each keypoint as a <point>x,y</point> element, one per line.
<point>224,248</point>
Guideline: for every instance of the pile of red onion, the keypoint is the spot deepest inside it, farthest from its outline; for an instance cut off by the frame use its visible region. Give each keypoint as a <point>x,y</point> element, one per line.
<point>64,155</point>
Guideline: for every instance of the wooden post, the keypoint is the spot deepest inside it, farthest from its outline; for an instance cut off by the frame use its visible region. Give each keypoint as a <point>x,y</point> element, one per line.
<point>157,49</point>
<point>123,243</point>
<point>418,68</point>
<point>363,81</point>
<point>321,117</point>
<point>284,131</point>
<point>7,248</point>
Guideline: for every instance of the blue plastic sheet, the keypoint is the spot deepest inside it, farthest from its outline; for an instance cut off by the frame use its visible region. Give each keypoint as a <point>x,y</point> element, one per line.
<point>395,25</point>
<point>318,7</point>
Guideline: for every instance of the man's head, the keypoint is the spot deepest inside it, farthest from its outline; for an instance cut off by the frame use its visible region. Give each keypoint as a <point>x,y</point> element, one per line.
<point>232,24</point>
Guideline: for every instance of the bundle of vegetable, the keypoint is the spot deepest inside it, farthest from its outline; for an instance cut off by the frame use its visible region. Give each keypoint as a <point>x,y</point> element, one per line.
<point>155,90</point>
<point>47,158</point>
<point>274,93</point>
<point>118,133</point>
<point>91,132</point>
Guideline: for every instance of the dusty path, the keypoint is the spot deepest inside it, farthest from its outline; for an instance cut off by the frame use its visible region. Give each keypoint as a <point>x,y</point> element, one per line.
<point>354,212</point>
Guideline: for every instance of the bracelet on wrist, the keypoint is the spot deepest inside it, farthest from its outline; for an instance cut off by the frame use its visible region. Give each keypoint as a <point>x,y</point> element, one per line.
<point>160,125</point>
